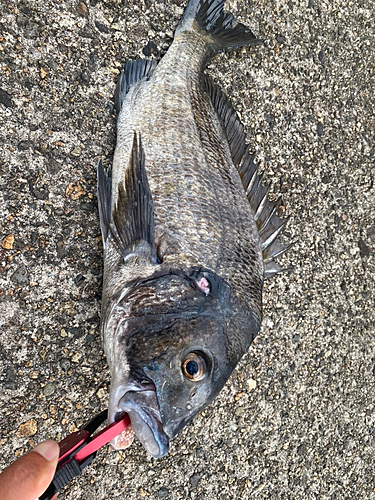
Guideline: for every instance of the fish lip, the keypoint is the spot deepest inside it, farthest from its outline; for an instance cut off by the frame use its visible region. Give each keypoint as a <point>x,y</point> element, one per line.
<point>142,407</point>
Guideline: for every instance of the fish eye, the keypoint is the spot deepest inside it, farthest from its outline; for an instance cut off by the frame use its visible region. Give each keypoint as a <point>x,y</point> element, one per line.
<point>194,367</point>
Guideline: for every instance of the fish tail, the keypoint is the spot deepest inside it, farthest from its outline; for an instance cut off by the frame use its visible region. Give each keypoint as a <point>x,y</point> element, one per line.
<point>221,28</point>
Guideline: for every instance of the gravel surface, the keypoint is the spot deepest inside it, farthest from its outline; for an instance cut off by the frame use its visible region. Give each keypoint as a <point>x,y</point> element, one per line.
<point>296,419</point>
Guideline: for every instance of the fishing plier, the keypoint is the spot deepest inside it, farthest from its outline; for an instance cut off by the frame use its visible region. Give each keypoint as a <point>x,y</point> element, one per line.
<point>79,449</point>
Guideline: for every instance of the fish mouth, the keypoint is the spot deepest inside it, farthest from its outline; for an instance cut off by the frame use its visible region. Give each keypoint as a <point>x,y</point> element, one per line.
<point>143,410</point>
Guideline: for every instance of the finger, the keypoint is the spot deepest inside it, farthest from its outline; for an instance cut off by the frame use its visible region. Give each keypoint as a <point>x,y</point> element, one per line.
<point>29,476</point>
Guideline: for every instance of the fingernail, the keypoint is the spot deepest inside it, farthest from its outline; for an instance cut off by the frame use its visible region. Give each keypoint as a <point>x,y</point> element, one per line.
<point>48,449</point>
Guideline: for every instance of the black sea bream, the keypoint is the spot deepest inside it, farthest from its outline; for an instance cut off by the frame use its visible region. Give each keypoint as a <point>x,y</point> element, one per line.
<point>188,231</point>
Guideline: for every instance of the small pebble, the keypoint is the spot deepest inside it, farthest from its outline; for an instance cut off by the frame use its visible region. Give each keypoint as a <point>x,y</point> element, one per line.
<point>251,384</point>
<point>76,152</point>
<point>65,364</point>
<point>8,242</point>
<point>101,393</point>
<point>82,9</point>
<point>74,190</point>
<point>49,389</point>
<point>76,357</point>
<point>43,73</point>
<point>48,422</point>
<point>29,428</point>
<point>5,99</point>
<point>20,276</point>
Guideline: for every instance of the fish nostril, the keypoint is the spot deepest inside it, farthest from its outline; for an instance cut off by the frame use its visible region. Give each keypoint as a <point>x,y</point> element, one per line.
<point>146,384</point>
<point>119,415</point>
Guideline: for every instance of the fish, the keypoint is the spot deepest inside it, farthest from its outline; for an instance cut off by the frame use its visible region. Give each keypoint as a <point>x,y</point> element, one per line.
<point>189,234</point>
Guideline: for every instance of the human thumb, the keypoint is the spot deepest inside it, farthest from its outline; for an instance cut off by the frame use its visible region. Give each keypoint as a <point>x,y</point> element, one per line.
<point>29,476</point>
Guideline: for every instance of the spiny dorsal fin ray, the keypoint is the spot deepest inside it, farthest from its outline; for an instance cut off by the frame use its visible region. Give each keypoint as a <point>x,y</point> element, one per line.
<point>261,199</point>
<point>272,229</point>
<point>265,211</point>
<point>247,170</point>
<point>274,250</point>
<point>272,268</point>
<point>133,215</point>
<point>253,189</point>
<point>268,209</point>
<point>132,73</point>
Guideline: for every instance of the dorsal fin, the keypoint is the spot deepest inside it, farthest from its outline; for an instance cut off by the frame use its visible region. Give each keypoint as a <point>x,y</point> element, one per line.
<point>230,119</point>
<point>132,73</point>
<point>265,211</point>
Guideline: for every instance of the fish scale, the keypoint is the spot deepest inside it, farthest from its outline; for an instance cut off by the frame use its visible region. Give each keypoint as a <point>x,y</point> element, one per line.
<point>188,234</point>
<point>211,212</point>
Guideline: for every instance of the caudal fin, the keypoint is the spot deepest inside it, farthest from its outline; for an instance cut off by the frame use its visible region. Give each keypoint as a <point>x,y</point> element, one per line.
<point>208,17</point>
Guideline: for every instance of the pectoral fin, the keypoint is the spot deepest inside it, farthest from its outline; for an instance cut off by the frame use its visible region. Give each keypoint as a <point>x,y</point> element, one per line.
<point>104,200</point>
<point>133,225</point>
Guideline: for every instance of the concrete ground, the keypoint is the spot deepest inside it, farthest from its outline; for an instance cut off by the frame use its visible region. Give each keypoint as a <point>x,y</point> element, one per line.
<point>296,420</point>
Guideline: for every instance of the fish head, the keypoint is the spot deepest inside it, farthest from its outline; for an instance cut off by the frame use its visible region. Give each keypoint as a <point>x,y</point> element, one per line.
<point>177,342</point>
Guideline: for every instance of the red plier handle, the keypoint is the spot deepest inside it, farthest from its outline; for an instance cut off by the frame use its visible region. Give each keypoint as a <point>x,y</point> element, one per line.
<point>78,450</point>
